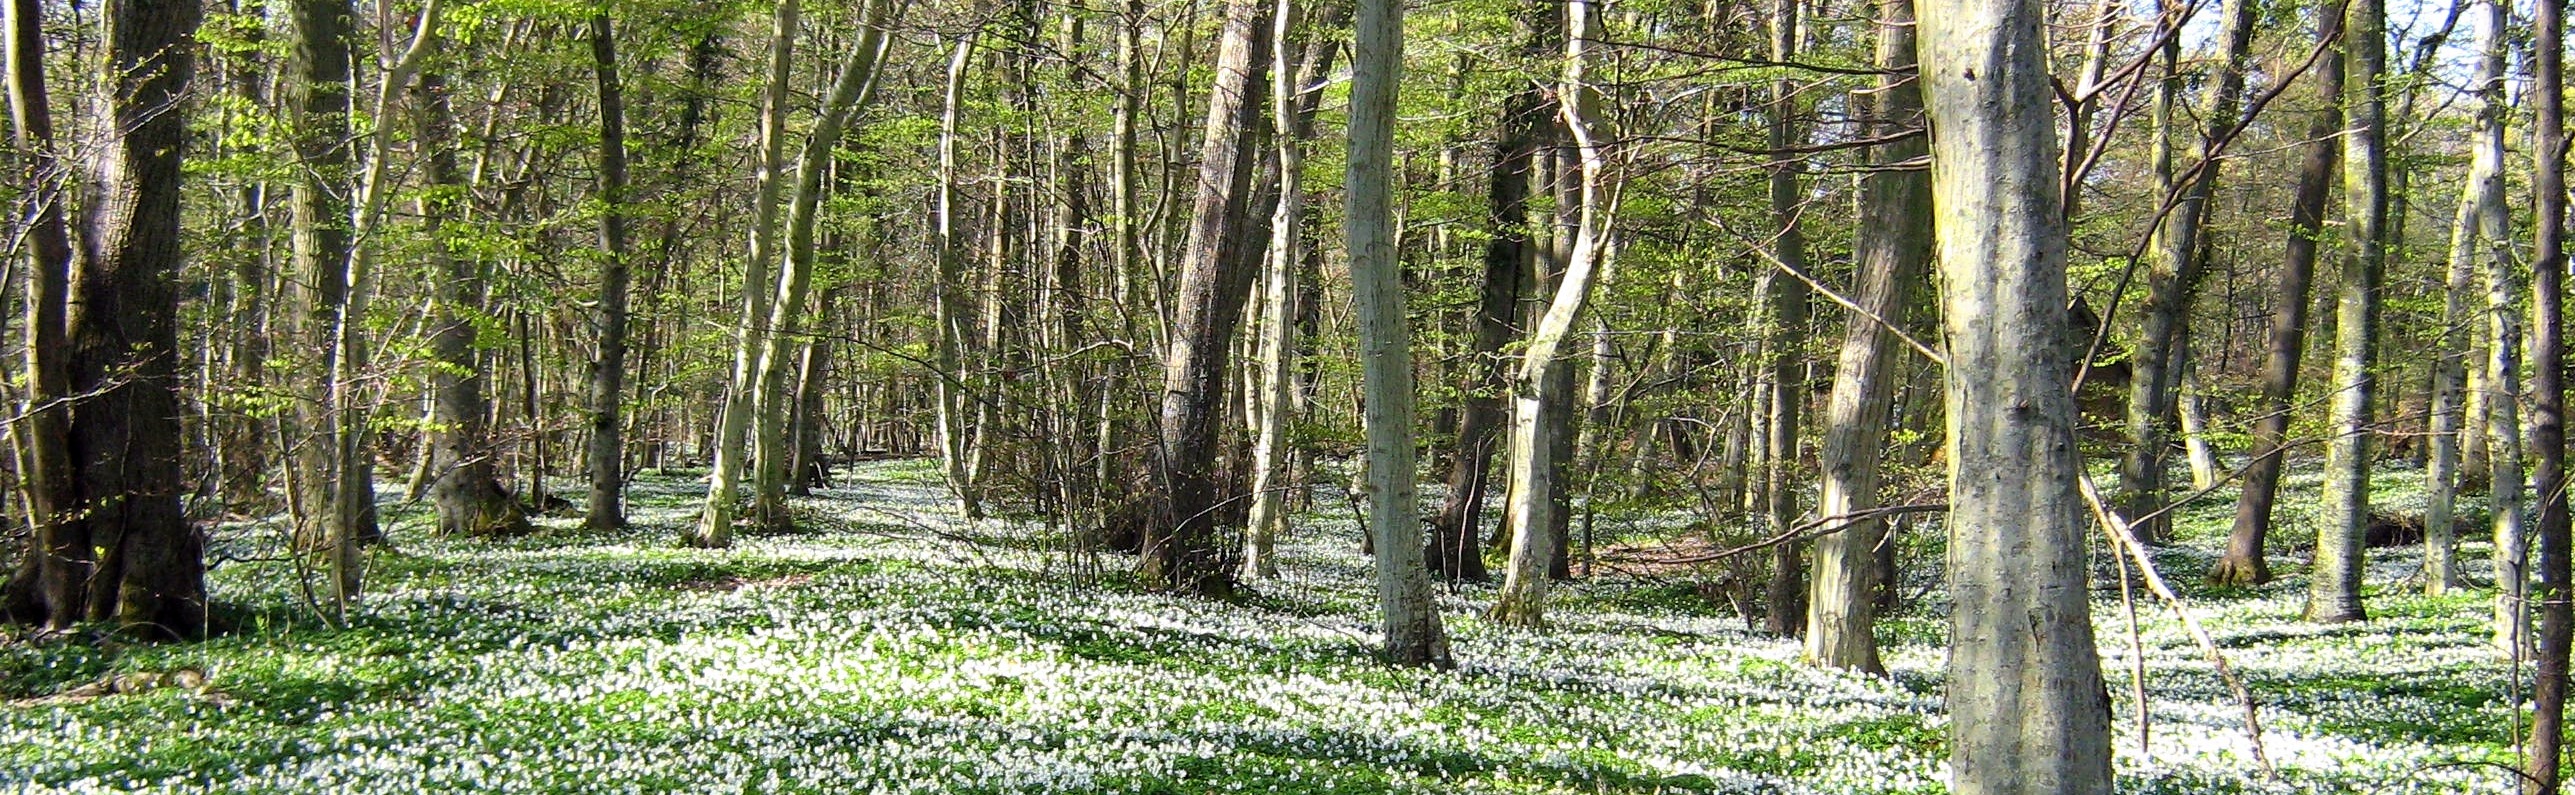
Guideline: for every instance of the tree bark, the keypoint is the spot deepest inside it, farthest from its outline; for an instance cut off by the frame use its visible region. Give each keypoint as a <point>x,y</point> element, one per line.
<point>2163,350</point>
<point>1893,250</point>
<point>2334,578</point>
<point>2246,562</point>
<point>2028,709</point>
<point>49,585</point>
<point>148,576</point>
<point>468,497</point>
<point>714,527</point>
<point>776,339</point>
<point>607,505</point>
<point>2502,363</point>
<point>2548,401</point>
<point>1412,621</point>
<point>1534,524</point>
<point>1784,347</point>
<point>1181,552</point>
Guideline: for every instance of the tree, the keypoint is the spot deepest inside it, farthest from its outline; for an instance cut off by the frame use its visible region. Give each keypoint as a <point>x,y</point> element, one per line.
<point>1784,344</point>
<point>121,550</point>
<point>607,504</point>
<point>1413,633</point>
<point>2028,708</point>
<point>1181,552</point>
<point>2246,562</point>
<point>1893,251</point>
<point>468,496</point>
<point>1534,524</point>
<point>2334,579</point>
<point>2163,349</point>
<point>49,586</point>
<point>2556,589</point>
<point>2480,196</point>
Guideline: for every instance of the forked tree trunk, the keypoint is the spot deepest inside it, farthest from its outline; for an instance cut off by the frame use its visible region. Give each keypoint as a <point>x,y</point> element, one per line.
<point>2028,709</point>
<point>1181,549</point>
<point>777,339</point>
<point>714,528</point>
<point>145,564</point>
<point>1893,250</point>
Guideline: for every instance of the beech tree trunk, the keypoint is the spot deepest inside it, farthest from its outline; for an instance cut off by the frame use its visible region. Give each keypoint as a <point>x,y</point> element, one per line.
<point>145,564</point>
<point>714,527</point>
<point>2548,402</point>
<point>2334,578</point>
<point>1784,347</point>
<point>49,586</point>
<point>1893,250</point>
<point>2246,562</point>
<point>1412,621</point>
<point>1536,541</point>
<point>467,494</point>
<point>2028,709</point>
<point>607,505</point>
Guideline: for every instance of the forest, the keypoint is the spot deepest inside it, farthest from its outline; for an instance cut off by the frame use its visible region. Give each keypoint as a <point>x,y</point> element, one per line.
<point>1995,397</point>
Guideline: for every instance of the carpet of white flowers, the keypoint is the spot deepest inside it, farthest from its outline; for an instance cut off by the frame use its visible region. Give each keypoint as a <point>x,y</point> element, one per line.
<point>889,649</point>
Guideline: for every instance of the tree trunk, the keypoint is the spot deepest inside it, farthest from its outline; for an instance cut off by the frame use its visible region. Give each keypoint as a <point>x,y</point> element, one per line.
<point>469,499</point>
<point>955,321</point>
<point>607,505</point>
<point>318,100</point>
<point>2028,709</point>
<point>2548,401</point>
<point>2484,184</point>
<point>1535,537</point>
<point>1181,552</point>
<point>148,575</point>
<point>1893,250</point>
<point>2245,561</point>
<point>777,339</point>
<point>1785,345</point>
<point>2334,578</point>
<point>1412,621</point>
<point>714,527</point>
<point>2163,350</point>
<point>49,586</point>
<point>1273,389</point>
<point>2502,363</point>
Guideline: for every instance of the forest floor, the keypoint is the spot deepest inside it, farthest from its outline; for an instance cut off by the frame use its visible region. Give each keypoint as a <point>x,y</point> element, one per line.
<point>888,649</point>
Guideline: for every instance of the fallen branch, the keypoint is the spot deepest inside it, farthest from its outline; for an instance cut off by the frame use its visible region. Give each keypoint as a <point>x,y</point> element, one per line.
<point>1816,529</point>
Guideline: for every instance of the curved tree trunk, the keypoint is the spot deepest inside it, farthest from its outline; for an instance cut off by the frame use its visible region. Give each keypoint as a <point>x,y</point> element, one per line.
<point>2246,562</point>
<point>1181,549</point>
<point>1894,255</point>
<point>1534,525</point>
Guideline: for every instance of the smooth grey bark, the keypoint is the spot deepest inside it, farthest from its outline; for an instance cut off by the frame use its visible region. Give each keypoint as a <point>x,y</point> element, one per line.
<point>1893,250</point>
<point>2028,709</point>
<point>2544,768</point>
<point>2502,362</point>
<point>1412,622</point>
<point>2246,561</point>
<point>1535,539</point>
<point>2334,578</point>
<point>951,313</point>
<point>776,338</point>
<point>714,528</point>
